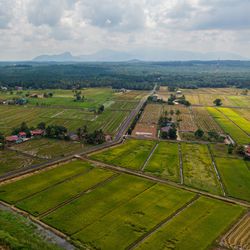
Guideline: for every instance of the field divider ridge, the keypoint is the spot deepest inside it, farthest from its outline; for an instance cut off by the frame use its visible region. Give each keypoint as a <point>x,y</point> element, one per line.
<point>180,164</point>
<point>167,182</point>
<point>25,153</point>
<point>149,157</point>
<point>86,191</point>
<point>162,223</point>
<point>55,184</point>
<point>216,171</point>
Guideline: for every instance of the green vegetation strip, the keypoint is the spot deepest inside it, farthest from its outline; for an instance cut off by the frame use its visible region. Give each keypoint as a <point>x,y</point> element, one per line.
<point>50,198</point>
<point>18,233</point>
<point>94,205</point>
<point>197,227</point>
<point>165,161</point>
<point>25,187</point>
<point>133,219</point>
<point>198,169</point>
<point>131,154</point>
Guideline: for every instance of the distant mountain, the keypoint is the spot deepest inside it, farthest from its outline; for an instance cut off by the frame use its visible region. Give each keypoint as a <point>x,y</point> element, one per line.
<point>143,54</point>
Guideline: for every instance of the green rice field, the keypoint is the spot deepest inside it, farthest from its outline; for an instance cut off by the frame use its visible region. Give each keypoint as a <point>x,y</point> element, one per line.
<point>165,162</point>
<point>130,154</point>
<point>198,169</point>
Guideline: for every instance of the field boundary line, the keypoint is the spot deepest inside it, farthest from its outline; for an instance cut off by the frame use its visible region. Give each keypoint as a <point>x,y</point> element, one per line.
<point>149,157</point>
<point>233,122</point>
<point>113,209</point>
<point>26,154</point>
<point>55,184</point>
<point>37,222</point>
<point>75,197</point>
<point>168,182</point>
<point>180,164</point>
<point>162,223</point>
<point>216,171</point>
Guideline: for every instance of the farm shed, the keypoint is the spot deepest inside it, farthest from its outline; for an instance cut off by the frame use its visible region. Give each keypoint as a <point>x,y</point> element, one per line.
<point>37,132</point>
<point>13,139</point>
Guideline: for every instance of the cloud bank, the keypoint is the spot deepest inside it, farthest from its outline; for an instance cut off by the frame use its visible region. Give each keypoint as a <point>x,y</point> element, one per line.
<point>32,27</point>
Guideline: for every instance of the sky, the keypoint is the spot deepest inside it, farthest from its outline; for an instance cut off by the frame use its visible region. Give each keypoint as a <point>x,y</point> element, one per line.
<point>32,27</point>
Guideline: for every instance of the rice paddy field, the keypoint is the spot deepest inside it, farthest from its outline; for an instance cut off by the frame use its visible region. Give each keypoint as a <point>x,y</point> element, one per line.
<point>238,135</point>
<point>82,200</point>
<point>165,161</point>
<point>131,154</point>
<point>198,169</point>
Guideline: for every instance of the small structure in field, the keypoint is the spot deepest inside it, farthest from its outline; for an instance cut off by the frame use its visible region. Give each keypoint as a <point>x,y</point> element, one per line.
<point>178,92</point>
<point>13,139</point>
<point>108,138</point>
<point>37,132</point>
<point>166,129</point>
<point>247,151</point>
<point>22,135</point>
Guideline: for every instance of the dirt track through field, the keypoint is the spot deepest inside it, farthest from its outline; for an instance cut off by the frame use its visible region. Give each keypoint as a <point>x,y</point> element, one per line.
<point>162,223</point>
<point>149,157</point>
<point>216,171</point>
<point>86,191</point>
<point>181,164</point>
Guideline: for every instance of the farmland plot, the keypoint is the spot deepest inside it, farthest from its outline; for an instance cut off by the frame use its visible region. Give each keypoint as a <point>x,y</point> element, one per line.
<point>49,148</point>
<point>229,127</point>
<point>237,119</point>
<point>10,160</point>
<point>235,177</point>
<point>151,114</point>
<point>24,187</point>
<point>197,168</point>
<point>197,227</point>
<point>131,154</point>
<point>243,113</point>
<point>204,121</point>
<point>165,162</point>
<point>133,219</point>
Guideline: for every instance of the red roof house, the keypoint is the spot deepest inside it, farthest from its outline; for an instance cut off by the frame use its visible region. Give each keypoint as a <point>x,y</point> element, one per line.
<point>22,134</point>
<point>247,151</point>
<point>12,138</point>
<point>37,132</point>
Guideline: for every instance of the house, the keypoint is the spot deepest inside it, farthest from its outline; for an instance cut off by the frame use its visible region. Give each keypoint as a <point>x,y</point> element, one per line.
<point>155,98</point>
<point>178,92</point>
<point>22,135</point>
<point>37,132</point>
<point>13,139</point>
<point>247,151</point>
<point>73,136</point>
<point>108,138</point>
<point>166,129</point>
<point>19,88</point>
<point>21,101</point>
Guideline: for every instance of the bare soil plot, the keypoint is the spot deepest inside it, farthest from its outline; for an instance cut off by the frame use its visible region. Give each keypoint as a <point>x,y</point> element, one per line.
<point>165,162</point>
<point>196,227</point>
<point>145,130</point>
<point>238,236</point>
<point>205,121</point>
<point>131,154</point>
<point>198,169</point>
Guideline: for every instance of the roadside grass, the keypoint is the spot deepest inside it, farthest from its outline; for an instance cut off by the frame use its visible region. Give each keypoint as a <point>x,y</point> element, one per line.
<point>131,154</point>
<point>165,161</point>
<point>10,160</point>
<point>55,195</point>
<point>198,169</point>
<point>236,177</point>
<point>197,227</point>
<point>229,127</point>
<point>26,186</point>
<point>18,233</point>
<point>133,219</point>
<point>94,205</point>
<point>49,148</point>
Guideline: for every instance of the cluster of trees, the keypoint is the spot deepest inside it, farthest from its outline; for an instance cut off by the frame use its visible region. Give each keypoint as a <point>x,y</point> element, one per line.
<point>95,138</point>
<point>210,135</point>
<point>172,131</point>
<point>217,102</point>
<point>78,96</point>
<point>180,100</point>
<point>2,141</point>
